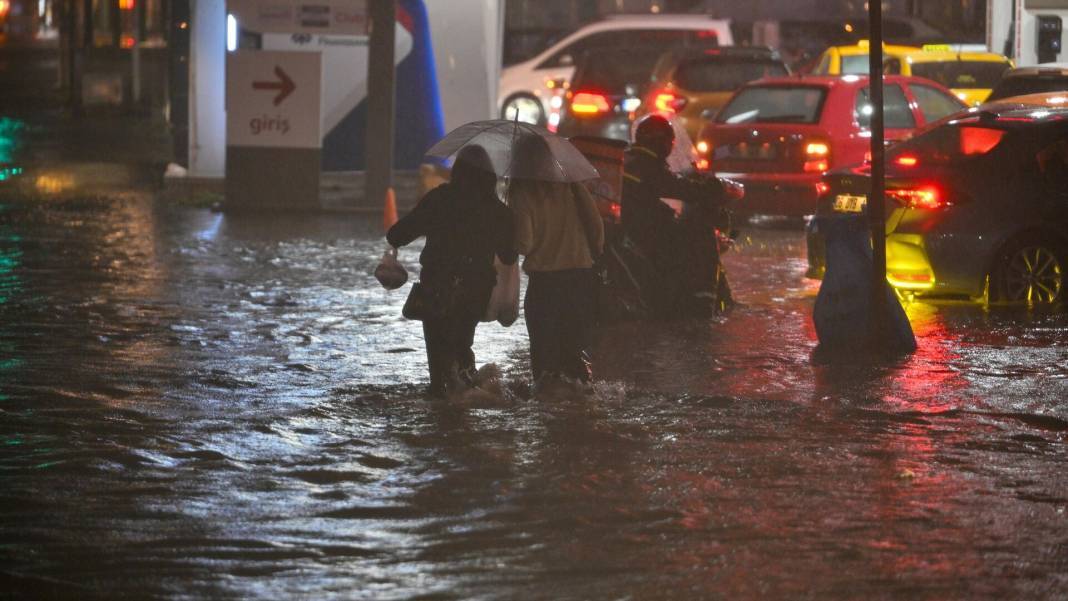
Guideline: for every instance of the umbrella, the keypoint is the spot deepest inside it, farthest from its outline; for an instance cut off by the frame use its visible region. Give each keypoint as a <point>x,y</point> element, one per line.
<point>519,150</point>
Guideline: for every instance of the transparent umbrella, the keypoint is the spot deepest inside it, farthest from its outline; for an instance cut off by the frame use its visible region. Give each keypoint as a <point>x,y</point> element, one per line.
<point>519,150</point>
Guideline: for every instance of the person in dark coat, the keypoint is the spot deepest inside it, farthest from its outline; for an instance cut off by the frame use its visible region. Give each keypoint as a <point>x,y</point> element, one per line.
<point>465,225</point>
<point>684,252</point>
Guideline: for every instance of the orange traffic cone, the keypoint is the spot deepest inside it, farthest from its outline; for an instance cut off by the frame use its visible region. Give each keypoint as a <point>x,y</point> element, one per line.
<point>389,213</point>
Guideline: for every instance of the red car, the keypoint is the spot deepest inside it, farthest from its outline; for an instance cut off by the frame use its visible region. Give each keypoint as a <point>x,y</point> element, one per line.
<point>778,136</point>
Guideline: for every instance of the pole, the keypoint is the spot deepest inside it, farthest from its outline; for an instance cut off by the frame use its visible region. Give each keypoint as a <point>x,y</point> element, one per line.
<point>876,199</point>
<point>135,56</point>
<point>378,146</point>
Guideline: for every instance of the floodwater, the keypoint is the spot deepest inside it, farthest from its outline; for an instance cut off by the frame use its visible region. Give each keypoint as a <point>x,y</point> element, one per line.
<point>198,405</point>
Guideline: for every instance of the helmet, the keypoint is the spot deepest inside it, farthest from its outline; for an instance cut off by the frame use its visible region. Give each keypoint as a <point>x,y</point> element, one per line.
<point>655,133</point>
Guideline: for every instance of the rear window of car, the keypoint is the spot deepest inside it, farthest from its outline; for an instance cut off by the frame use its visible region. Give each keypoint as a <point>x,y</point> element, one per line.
<point>775,104</point>
<point>724,74</point>
<point>856,64</point>
<point>612,71</point>
<point>1018,86</point>
<point>962,74</point>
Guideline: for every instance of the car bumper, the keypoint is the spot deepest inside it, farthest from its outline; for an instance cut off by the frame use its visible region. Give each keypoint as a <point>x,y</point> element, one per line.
<point>791,195</point>
<point>908,266</point>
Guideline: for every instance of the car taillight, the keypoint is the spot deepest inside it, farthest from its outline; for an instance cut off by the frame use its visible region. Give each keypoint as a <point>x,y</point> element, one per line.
<point>923,197</point>
<point>817,157</point>
<point>979,140</point>
<point>589,104</point>
<point>907,160</point>
<point>667,102</point>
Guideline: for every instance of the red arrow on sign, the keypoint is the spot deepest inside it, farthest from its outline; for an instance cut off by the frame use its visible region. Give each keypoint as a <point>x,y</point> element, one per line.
<point>284,85</point>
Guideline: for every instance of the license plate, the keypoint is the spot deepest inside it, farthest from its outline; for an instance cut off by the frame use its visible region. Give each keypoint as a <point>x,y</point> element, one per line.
<point>847,203</point>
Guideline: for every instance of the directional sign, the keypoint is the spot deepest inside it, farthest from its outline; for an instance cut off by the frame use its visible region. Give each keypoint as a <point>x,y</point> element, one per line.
<point>284,85</point>
<point>340,17</point>
<point>272,99</point>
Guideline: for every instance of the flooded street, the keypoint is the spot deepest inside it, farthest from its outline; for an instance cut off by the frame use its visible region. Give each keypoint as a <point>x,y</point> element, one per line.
<point>203,405</point>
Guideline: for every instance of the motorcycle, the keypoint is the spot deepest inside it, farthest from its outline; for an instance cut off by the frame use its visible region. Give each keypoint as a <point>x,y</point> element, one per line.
<point>633,288</point>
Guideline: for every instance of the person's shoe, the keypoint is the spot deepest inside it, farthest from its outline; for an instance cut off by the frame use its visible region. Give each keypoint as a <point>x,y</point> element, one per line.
<point>468,377</point>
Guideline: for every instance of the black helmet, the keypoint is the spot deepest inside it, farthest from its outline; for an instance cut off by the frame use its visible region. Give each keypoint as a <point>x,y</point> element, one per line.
<point>655,133</point>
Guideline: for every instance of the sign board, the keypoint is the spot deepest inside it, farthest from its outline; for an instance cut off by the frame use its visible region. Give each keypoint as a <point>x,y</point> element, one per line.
<point>273,99</point>
<point>338,17</point>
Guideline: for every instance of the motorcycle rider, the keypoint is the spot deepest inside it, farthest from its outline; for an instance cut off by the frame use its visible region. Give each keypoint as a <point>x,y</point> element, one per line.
<point>684,275</point>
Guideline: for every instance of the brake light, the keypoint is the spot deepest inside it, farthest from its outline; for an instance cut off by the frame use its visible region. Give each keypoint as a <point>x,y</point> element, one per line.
<point>816,157</point>
<point>822,188</point>
<point>979,140</point>
<point>817,149</point>
<point>907,160</point>
<point>702,147</point>
<point>666,102</point>
<point>703,165</point>
<point>924,197</point>
<point>589,103</point>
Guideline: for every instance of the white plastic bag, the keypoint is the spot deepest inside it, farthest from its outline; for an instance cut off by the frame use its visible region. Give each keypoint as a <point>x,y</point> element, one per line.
<point>390,273</point>
<point>503,306</point>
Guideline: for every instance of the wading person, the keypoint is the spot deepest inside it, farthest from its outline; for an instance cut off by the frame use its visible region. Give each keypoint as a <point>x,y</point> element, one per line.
<point>465,225</point>
<point>559,233</point>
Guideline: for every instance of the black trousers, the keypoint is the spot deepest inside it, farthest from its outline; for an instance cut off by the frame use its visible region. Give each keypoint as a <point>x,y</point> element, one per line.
<point>449,339</point>
<point>560,309</point>
<point>448,346</point>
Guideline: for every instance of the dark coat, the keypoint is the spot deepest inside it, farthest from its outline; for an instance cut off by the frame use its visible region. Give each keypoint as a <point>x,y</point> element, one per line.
<point>650,223</point>
<point>465,226</point>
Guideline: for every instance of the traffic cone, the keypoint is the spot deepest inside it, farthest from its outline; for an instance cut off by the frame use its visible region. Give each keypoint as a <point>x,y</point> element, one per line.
<point>389,213</point>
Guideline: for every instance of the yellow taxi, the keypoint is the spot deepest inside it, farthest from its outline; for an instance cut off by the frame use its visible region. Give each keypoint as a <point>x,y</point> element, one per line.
<point>970,75</point>
<point>853,60</point>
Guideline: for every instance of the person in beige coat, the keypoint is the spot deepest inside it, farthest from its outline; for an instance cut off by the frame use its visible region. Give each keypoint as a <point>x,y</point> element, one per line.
<point>559,232</point>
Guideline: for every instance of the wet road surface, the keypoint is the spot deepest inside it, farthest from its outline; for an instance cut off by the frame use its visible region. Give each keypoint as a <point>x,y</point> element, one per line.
<point>201,405</point>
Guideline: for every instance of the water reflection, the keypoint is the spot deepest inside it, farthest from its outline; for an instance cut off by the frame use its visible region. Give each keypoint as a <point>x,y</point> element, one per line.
<point>229,406</point>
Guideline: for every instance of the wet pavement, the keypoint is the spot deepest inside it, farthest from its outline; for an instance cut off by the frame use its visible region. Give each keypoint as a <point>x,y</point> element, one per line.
<point>198,405</point>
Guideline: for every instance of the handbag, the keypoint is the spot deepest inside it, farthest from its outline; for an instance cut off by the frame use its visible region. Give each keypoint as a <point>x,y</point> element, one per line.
<point>432,301</point>
<point>503,305</point>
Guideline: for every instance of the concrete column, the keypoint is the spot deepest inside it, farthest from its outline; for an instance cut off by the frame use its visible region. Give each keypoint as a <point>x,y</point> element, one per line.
<point>207,89</point>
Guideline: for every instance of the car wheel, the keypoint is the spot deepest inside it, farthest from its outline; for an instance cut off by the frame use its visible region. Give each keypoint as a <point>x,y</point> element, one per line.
<point>1030,272</point>
<point>526,106</point>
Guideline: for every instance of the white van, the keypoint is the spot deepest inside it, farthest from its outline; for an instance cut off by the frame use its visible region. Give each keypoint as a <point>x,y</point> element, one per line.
<point>528,88</point>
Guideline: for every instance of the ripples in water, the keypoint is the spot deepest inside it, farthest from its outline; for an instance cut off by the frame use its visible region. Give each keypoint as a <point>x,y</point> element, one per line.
<point>216,406</point>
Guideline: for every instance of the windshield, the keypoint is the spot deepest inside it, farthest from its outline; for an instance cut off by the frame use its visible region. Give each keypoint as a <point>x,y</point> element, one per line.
<point>724,74</point>
<point>962,74</point>
<point>1019,86</point>
<point>775,104</point>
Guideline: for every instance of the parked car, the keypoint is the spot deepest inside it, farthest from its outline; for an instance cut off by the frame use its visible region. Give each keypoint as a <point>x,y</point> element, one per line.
<point>1051,77</point>
<point>527,88</point>
<point>853,59</point>
<point>694,85</point>
<point>606,92</point>
<point>778,136</point>
<point>970,75</point>
<point>977,206</point>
